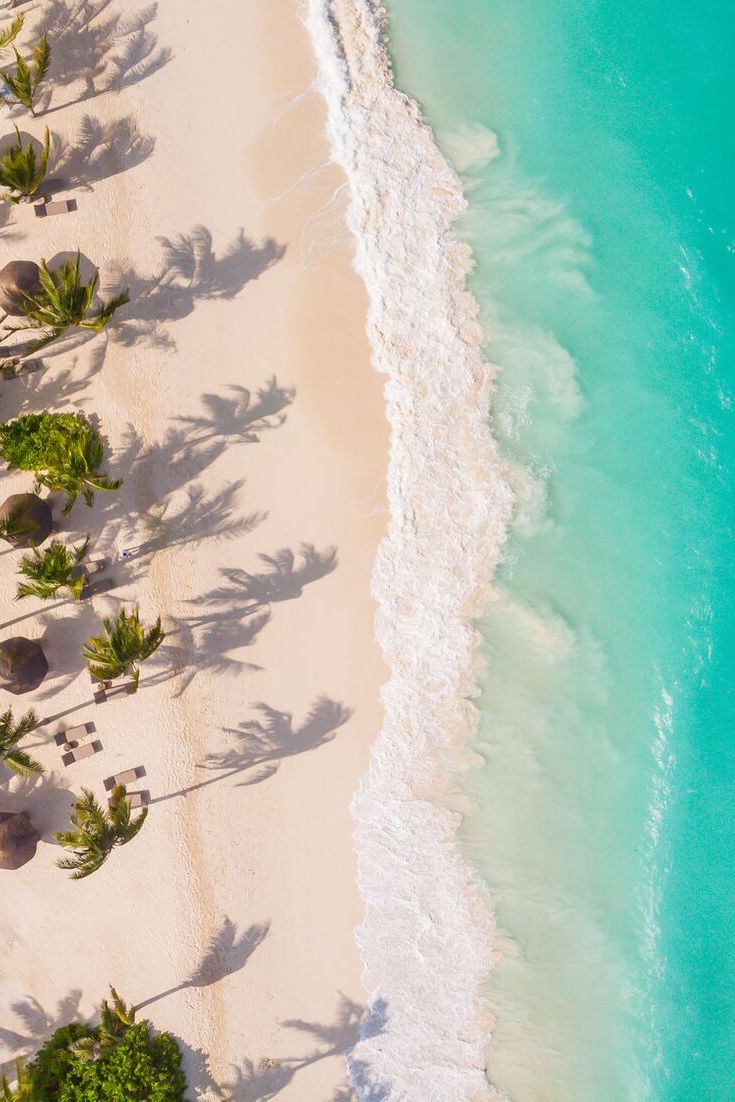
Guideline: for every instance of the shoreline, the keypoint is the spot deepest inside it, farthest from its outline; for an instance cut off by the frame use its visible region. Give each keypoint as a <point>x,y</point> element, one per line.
<point>427,1032</point>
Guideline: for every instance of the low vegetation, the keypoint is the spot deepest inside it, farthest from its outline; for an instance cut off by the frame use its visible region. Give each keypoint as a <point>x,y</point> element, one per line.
<point>118,1060</point>
<point>63,451</point>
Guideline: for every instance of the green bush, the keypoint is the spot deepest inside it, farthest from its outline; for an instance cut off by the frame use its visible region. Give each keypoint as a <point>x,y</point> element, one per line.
<point>139,1067</point>
<point>83,1063</point>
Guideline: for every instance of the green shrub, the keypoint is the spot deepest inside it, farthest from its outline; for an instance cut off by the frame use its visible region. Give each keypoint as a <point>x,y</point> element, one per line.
<point>139,1067</point>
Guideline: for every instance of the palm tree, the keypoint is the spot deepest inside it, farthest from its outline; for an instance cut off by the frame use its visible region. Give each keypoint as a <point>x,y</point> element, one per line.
<point>124,644</point>
<point>65,300</point>
<point>54,568</point>
<point>23,1090</point>
<point>95,832</point>
<point>115,1021</point>
<point>10,735</point>
<point>12,32</point>
<point>63,450</point>
<point>20,170</point>
<point>24,82</point>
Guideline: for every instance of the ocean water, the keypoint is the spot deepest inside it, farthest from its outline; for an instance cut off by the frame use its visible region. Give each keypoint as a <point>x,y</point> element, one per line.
<point>596,148</point>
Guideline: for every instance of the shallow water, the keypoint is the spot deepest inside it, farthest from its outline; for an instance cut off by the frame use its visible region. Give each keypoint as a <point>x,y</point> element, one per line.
<point>597,158</point>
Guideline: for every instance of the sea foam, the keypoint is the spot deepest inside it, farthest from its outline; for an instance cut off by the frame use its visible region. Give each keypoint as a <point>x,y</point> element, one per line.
<point>427,935</point>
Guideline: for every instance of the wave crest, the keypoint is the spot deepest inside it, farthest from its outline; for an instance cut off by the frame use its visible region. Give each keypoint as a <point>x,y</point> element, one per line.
<point>426,938</point>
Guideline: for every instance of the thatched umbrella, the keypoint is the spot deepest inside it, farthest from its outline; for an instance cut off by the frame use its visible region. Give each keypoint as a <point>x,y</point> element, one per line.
<point>25,519</point>
<point>23,665</point>
<point>18,279</point>
<point>18,839</point>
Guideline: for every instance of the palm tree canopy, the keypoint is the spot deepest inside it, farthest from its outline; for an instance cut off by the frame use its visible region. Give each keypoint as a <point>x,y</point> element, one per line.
<point>95,832</point>
<point>22,171</point>
<point>11,734</point>
<point>23,665</point>
<point>19,280</point>
<point>64,299</point>
<point>54,568</point>
<point>124,644</point>
<point>25,520</point>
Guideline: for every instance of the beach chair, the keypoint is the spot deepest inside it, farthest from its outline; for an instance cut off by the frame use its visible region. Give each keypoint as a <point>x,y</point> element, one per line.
<point>136,799</point>
<point>81,752</point>
<point>72,734</point>
<point>59,206</point>
<point>127,777</point>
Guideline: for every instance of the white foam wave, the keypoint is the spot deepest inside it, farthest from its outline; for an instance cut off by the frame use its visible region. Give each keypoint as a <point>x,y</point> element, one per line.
<point>427,934</point>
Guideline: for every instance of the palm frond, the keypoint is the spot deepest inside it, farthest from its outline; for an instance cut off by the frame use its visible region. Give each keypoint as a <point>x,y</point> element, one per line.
<point>11,33</point>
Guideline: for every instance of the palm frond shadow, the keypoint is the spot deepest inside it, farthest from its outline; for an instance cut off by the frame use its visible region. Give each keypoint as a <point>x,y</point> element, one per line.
<point>242,417</point>
<point>35,1025</point>
<point>283,580</point>
<point>251,1083</point>
<point>262,743</point>
<point>101,150</point>
<point>98,48</point>
<point>191,272</point>
<point>44,389</point>
<point>226,953</point>
<point>62,641</point>
<point>45,798</point>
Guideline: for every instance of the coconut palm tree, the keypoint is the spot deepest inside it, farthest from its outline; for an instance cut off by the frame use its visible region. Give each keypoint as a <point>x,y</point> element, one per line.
<point>124,644</point>
<point>65,300</point>
<point>23,1089</point>
<point>11,33</point>
<point>22,171</point>
<point>63,450</point>
<point>95,832</point>
<point>115,1021</point>
<point>10,735</point>
<point>23,83</point>
<point>54,568</point>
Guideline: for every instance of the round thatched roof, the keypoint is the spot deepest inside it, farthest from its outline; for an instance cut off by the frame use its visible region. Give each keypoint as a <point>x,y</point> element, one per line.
<point>23,665</point>
<point>18,279</point>
<point>18,839</point>
<point>31,517</point>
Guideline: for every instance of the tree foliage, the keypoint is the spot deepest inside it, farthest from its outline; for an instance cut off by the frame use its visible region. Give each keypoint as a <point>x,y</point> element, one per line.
<point>11,734</point>
<point>124,644</point>
<point>96,831</point>
<point>54,568</point>
<point>22,82</point>
<point>22,171</point>
<point>63,450</point>
<point>119,1060</point>
<point>66,300</point>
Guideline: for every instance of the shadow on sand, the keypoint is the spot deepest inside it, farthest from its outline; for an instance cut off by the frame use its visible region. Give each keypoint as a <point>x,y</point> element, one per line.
<point>100,150</point>
<point>263,743</point>
<point>35,1025</point>
<point>226,954</point>
<point>191,272</point>
<point>251,1083</point>
<point>98,47</point>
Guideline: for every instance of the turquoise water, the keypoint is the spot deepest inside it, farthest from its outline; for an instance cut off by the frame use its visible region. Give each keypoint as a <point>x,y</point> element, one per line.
<point>603,228</point>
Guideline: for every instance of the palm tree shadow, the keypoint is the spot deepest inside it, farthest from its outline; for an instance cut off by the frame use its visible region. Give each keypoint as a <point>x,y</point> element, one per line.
<point>284,580</point>
<point>101,150</point>
<point>98,48</point>
<point>251,1083</point>
<point>226,953</point>
<point>241,418</point>
<point>46,798</point>
<point>191,272</point>
<point>36,1025</point>
<point>264,742</point>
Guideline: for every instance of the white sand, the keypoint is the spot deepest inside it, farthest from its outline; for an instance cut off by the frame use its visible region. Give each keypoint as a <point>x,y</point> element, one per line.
<point>268,843</point>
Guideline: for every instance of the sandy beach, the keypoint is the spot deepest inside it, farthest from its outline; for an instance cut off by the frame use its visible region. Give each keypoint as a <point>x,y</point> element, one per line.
<point>240,407</point>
